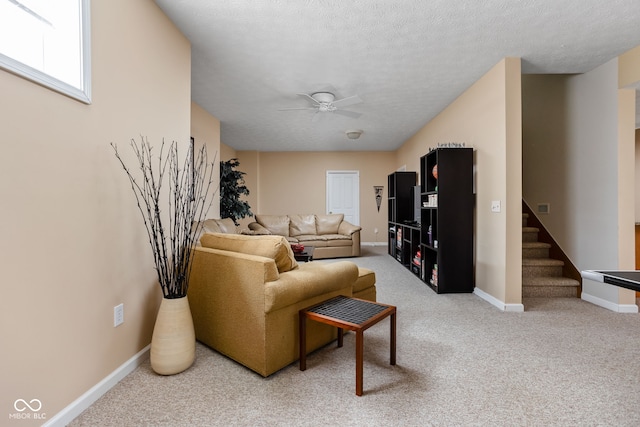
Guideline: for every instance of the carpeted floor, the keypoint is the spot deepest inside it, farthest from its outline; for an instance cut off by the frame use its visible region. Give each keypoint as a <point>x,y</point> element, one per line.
<point>460,362</point>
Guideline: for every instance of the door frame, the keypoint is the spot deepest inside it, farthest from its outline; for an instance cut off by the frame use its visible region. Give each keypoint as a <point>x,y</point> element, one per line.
<point>356,190</point>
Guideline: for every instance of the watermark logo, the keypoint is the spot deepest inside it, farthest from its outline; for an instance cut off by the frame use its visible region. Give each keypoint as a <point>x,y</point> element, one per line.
<point>27,410</point>
<point>21,405</point>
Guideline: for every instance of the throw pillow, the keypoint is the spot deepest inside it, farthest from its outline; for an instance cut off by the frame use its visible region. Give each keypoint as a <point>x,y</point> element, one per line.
<point>274,247</point>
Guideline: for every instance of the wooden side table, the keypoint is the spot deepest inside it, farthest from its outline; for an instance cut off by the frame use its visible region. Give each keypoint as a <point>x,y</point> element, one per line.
<point>352,314</point>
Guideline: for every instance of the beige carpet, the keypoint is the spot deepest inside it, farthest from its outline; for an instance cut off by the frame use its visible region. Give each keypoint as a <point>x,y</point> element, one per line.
<point>461,362</point>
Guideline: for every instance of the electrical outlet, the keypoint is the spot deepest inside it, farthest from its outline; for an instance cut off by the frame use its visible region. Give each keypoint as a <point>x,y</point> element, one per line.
<point>118,315</point>
<point>375,230</point>
<point>495,206</point>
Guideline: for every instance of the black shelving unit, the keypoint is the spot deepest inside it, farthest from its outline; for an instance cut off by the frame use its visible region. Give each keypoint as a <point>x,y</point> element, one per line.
<point>400,208</point>
<point>447,220</point>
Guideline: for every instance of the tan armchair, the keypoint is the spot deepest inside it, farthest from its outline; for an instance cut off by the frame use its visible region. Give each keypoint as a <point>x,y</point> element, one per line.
<point>245,293</point>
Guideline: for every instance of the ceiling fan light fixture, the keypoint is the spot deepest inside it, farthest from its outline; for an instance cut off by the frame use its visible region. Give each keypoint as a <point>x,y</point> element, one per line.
<point>323,97</point>
<point>353,134</point>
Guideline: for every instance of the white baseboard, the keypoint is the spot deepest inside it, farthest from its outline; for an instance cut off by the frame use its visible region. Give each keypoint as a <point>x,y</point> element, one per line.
<point>618,308</point>
<point>518,308</point>
<point>373,244</point>
<point>69,413</point>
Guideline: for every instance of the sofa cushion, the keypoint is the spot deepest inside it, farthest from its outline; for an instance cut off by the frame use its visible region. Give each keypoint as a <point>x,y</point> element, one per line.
<point>214,226</point>
<point>210,226</point>
<point>311,280</point>
<point>339,242</point>
<point>336,237</point>
<point>276,224</point>
<point>328,224</point>
<point>316,243</point>
<point>274,247</point>
<point>226,225</point>
<point>302,224</point>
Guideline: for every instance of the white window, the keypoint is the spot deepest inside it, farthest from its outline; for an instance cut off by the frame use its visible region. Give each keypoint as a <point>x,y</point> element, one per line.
<point>48,42</point>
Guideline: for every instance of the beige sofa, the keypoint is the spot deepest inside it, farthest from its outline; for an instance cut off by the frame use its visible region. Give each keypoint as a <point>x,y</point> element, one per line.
<point>245,293</point>
<point>330,235</point>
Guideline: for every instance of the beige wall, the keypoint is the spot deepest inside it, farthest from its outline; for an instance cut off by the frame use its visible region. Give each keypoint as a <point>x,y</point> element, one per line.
<point>73,245</point>
<point>205,129</point>
<point>487,118</point>
<point>294,182</point>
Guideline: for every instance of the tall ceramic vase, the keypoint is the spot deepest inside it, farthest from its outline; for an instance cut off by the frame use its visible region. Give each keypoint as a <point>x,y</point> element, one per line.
<point>173,344</point>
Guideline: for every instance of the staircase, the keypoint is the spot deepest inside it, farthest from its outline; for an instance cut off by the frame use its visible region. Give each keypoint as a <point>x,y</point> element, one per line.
<point>541,275</point>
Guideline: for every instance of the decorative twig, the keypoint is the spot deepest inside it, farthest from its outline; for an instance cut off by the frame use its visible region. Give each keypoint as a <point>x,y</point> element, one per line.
<point>189,189</point>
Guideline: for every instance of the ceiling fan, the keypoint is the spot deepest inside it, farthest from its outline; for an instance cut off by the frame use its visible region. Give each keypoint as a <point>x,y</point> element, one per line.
<point>325,102</point>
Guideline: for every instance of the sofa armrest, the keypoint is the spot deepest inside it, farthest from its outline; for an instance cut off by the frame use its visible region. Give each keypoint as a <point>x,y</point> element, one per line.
<point>258,229</point>
<point>309,280</point>
<point>347,229</point>
<point>226,296</point>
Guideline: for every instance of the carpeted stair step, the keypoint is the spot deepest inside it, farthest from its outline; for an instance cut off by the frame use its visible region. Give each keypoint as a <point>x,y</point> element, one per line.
<point>535,250</point>
<point>558,287</point>
<point>541,267</point>
<point>541,275</point>
<point>530,234</point>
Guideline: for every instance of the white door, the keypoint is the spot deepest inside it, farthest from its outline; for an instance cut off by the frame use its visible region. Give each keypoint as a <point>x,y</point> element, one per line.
<point>343,194</point>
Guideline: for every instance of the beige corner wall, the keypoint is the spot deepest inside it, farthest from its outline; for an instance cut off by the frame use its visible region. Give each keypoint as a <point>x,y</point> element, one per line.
<point>73,245</point>
<point>637,176</point>
<point>581,128</point>
<point>629,68</point>
<point>205,129</point>
<point>294,183</point>
<point>487,117</point>
<point>226,152</point>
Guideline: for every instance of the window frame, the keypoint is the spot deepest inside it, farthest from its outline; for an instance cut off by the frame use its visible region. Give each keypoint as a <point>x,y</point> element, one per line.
<point>82,93</point>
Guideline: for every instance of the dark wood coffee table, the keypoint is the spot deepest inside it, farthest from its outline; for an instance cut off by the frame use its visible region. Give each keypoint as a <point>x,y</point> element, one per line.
<point>352,314</point>
<point>306,254</point>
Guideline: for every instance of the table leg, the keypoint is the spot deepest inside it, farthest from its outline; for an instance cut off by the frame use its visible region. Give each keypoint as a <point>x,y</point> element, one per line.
<point>302,320</point>
<point>340,337</point>
<point>359,356</point>
<point>393,339</point>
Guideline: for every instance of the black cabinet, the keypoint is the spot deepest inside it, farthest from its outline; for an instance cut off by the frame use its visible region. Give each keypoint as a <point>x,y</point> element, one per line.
<point>447,219</point>
<point>400,185</point>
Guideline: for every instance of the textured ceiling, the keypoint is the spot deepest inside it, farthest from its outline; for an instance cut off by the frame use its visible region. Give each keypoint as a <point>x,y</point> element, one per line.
<point>406,59</point>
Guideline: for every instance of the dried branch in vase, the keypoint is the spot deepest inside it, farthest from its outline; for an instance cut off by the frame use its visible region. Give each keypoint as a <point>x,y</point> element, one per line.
<point>189,199</point>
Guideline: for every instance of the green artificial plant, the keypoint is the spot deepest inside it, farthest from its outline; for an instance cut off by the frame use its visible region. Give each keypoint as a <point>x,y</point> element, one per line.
<point>232,186</point>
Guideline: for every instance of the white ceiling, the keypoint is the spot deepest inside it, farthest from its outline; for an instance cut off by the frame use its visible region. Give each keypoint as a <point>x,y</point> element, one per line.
<point>406,59</point>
